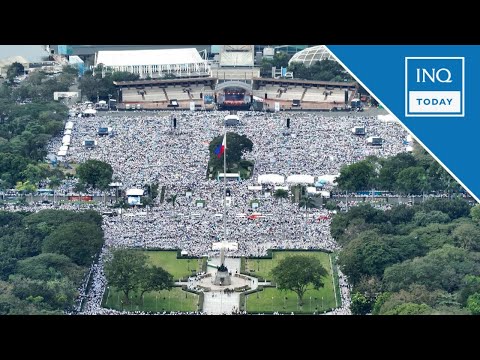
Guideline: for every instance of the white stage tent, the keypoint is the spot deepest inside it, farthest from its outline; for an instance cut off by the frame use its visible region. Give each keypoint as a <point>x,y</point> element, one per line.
<point>134,192</point>
<point>271,179</point>
<point>386,118</point>
<point>228,245</point>
<point>90,111</point>
<point>66,140</point>
<point>300,179</point>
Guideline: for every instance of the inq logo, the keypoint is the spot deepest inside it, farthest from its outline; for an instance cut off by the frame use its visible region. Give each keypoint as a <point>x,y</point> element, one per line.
<point>434,86</point>
<point>423,74</point>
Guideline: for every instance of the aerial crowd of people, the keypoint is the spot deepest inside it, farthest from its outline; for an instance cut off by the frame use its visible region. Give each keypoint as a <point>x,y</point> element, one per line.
<point>145,148</point>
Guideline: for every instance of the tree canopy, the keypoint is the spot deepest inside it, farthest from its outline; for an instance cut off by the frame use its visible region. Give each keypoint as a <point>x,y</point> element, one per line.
<point>129,272</point>
<point>297,273</point>
<point>95,173</point>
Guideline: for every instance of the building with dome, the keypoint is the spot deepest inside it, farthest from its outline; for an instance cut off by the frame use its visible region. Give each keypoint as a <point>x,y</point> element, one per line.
<point>311,55</point>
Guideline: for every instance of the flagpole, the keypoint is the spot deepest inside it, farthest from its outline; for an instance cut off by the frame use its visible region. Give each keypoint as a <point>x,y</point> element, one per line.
<point>222,251</point>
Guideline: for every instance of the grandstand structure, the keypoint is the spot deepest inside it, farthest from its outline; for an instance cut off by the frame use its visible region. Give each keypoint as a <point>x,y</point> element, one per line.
<point>293,94</point>
<point>155,64</point>
<point>161,94</point>
<point>208,93</point>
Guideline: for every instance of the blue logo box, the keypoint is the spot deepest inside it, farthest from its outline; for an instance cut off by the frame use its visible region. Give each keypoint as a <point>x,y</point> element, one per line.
<point>434,86</point>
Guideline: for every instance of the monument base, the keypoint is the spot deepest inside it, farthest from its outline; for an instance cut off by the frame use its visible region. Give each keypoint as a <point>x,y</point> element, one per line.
<point>222,278</point>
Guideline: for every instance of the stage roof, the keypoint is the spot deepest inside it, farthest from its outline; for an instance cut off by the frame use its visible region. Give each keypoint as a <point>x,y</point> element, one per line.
<point>149,57</point>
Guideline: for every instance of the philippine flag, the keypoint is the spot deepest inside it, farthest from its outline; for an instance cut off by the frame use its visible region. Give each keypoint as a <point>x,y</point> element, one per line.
<point>220,149</point>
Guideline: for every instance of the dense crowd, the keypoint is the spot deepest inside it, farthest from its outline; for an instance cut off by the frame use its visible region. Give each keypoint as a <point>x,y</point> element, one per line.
<point>144,148</point>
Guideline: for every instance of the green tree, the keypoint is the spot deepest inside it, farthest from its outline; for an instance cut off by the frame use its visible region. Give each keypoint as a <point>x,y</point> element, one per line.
<point>390,169</point>
<point>297,273</point>
<point>423,218</point>
<point>78,240</point>
<point>48,267</point>
<point>25,187</point>
<point>475,213</point>
<point>95,173</point>
<point>125,270</point>
<point>356,177</point>
<point>155,278</point>
<point>360,304</point>
<point>14,70</point>
<point>411,181</point>
<point>473,303</point>
<point>455,208</point>
<point>443,268</point>
<point>236,146</point>
<point>280,194</point>
<point>470,285</point>
<point>467,236</point>
<point>410,309</point>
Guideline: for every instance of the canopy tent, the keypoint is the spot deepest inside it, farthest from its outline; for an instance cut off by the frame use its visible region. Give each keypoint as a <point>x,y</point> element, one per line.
<point>135,192</point>
<point>300,179</point>
<point>67,132</point>
<point>409,148</point>
<point>90,111</point>
<point>69,125</point>
<point>63,148</point>
<point>184,253</point>
<point>386,118</point>
<point>228,245</point>
<point>62,153</point>
<point>311,189</point>
<point>66,140</point>
<point>271,179</point>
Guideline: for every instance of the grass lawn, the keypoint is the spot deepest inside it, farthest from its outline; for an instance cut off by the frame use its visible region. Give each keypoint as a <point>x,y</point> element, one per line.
<point>286,301</point>
<point>155,301</point>
<point>179,268</point>
<point>262,267</point>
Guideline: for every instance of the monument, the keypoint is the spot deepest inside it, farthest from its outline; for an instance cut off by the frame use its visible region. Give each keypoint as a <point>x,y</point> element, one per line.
<point>222,278</point>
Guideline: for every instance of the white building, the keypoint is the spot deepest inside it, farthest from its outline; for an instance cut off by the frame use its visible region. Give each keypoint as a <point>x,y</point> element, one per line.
<point>155,63</point>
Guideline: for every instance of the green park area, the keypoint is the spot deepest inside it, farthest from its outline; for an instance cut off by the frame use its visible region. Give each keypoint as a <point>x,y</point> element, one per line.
<point>271,299</point>
<point>154,301</point>
<point>179,268</point>
<point>165,300</point>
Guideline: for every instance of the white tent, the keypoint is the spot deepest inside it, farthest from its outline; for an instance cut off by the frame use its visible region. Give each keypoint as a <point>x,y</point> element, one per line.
<point>409,138</point>
<point>409,148</point>
<point>228,245</point>
<point>311,189</point>
<point>271,179</point>
<point>62,153</point>
<point>386,118</point>
<point>90,111</point>
<point>300,179</point>
<point>69,125</point>
<point>134,192</point>
<point>66,140</point>
<point>63,148</point>
<point>67,132</point>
